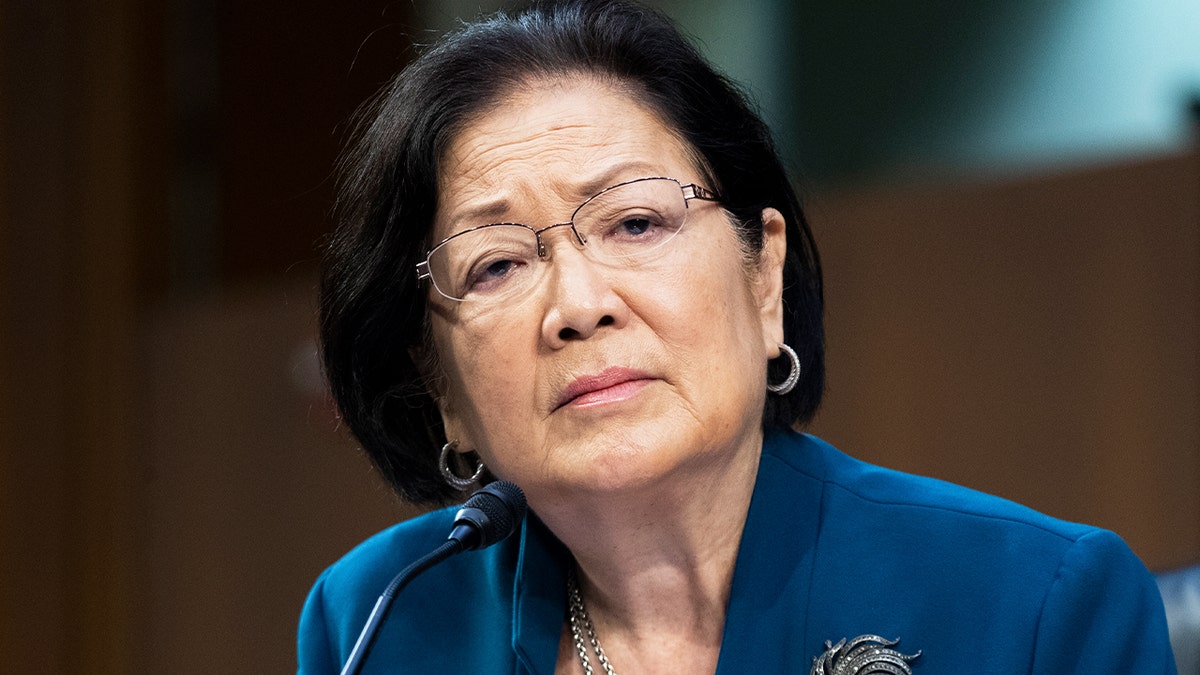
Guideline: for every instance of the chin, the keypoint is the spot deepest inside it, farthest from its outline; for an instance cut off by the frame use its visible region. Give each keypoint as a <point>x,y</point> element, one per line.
<point>631,468</point>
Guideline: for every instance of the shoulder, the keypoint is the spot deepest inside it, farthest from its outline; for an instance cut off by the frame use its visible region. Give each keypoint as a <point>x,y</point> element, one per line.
<point>897,496</point>
<point>344,594</point>
<point>367,568</point>
<point>916,556</point>
<point>468,594</point>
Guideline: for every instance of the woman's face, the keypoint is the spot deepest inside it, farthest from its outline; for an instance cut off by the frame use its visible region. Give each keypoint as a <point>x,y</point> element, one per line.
<point>599,378</point>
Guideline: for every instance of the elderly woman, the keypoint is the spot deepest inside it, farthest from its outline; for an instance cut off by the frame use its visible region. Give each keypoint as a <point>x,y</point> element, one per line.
<point>569,258</point>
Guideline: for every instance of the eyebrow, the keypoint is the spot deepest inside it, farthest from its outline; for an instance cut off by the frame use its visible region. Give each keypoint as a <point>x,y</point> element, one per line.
<point>609,177</point>
<point>488,212</point>
<point>495,209</point>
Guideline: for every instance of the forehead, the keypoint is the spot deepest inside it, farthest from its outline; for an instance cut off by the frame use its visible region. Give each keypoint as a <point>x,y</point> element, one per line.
<point>549,144</point>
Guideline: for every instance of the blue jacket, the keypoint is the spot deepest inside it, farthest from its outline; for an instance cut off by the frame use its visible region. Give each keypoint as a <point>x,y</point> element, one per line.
<point>832,548</point>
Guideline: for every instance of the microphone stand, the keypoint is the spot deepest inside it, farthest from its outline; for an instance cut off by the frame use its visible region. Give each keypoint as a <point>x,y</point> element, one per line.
<point>367,637</point>
<point>489,516</point>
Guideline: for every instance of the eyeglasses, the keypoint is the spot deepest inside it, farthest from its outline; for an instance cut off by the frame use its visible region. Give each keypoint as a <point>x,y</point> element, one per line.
<point>623,226</point>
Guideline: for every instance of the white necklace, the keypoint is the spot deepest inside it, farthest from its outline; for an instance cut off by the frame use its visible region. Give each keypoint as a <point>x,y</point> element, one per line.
<point>581,622</point>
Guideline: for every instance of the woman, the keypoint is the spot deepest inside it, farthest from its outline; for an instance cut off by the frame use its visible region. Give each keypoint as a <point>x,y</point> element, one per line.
<point>570,258</point>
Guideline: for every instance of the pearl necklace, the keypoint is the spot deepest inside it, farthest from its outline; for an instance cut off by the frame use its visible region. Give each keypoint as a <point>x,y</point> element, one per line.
<point>581,622</point>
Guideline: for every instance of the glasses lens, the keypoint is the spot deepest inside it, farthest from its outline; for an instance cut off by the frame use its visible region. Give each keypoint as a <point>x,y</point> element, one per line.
<point>487,262</point>
<point>631,223</point>
<point>627,225</point>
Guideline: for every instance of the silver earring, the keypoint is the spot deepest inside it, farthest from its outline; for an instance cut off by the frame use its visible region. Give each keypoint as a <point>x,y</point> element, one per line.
<point>447,473</point>
<point>793,375</point>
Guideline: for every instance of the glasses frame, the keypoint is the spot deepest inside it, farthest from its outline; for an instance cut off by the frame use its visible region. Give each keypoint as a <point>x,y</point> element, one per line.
<point>690,191</point>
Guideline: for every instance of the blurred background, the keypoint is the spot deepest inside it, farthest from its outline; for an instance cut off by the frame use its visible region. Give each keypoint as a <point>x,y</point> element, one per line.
<point>1006,196</point>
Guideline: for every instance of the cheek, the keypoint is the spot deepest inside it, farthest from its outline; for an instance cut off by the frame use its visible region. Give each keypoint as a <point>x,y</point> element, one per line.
<point>474,367</point>
<point>709,300</point>
<point>488,377</point>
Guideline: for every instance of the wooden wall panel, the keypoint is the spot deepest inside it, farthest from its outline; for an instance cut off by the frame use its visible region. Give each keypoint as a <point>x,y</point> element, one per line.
<point>74,191</point>
<point>252,490</point>
<point>1036,338</point>
<point>94,153</point>
<point>33,335</point>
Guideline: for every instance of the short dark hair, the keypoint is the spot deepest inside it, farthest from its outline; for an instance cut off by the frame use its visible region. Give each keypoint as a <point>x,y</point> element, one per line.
<point>373,313</point>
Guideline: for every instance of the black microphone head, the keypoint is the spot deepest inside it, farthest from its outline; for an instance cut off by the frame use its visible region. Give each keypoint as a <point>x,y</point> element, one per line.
<point>490,515</point>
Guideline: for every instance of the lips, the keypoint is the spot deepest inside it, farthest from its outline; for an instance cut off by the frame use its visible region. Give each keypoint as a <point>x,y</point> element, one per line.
<point>611,384</point>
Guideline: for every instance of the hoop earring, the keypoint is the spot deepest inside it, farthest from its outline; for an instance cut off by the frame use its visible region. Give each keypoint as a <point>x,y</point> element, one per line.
<point>793,375</point>
<point>452,480</point>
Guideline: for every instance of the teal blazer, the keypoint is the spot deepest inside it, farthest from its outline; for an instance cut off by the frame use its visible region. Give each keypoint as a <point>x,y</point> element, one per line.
<point>833,548</point>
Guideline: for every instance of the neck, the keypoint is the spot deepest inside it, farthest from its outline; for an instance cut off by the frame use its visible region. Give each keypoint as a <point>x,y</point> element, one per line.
<point>655,565</point>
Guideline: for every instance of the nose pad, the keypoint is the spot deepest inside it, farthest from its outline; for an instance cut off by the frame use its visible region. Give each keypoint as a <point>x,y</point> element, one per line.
<point>575,237</point>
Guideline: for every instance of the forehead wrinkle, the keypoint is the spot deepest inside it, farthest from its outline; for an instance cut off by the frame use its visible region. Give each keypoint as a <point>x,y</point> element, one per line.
<point>478,153</point>
<point>502,161</point>
<point>595,162</point>
<point>488,178</point>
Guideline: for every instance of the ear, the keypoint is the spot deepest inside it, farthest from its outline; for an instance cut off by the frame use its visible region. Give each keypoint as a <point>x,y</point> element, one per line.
<point>769,280</point>
<point>452,424</point>
<point>437,386</point>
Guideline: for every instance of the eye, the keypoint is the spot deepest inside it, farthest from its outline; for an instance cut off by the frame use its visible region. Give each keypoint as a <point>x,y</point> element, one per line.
<point>489,274</point>
<point>487,259</point>
<point>635,225</point>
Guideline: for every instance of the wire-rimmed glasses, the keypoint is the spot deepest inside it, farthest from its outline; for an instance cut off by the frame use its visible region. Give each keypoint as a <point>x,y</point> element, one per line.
<point>624,226</point>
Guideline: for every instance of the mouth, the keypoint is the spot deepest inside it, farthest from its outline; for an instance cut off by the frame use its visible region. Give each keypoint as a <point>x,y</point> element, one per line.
<point>608,386</point>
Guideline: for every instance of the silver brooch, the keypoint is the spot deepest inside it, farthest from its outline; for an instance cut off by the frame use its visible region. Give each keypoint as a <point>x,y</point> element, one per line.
<point>864,655</point>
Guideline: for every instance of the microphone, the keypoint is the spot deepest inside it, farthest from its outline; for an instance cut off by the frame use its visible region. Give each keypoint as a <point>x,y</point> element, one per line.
<point>491,514</point>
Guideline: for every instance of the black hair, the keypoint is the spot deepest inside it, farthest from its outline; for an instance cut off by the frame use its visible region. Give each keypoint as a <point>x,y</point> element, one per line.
<point>373,313</point>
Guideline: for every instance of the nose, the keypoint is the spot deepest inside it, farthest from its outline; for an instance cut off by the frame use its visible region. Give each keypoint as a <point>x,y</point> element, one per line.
<point>581,299</point>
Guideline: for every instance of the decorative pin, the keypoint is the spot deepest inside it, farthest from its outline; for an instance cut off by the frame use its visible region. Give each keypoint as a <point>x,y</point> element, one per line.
<point>864,655</point>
